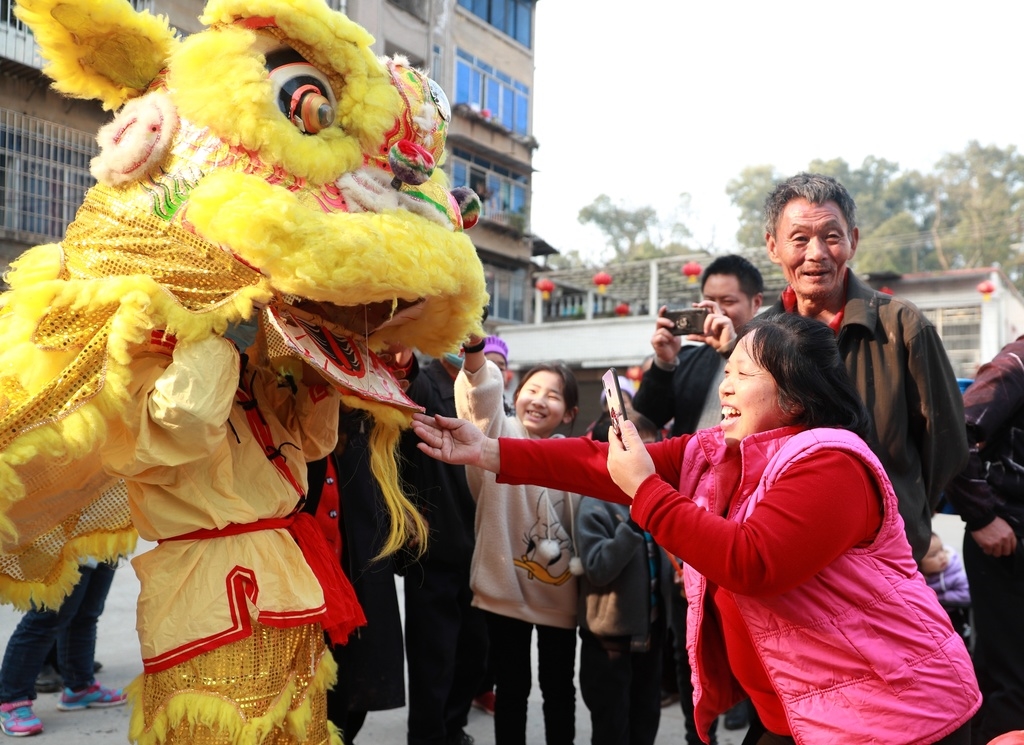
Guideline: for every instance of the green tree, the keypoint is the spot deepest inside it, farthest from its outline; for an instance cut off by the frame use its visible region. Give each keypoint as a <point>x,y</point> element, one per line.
<point>747,192</point>
<point>571,259</point>
<point>637,233</point>
<point>977,207</point>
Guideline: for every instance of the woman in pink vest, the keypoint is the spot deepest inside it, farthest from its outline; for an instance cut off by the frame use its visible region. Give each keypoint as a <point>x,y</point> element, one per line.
<point>803,592</point>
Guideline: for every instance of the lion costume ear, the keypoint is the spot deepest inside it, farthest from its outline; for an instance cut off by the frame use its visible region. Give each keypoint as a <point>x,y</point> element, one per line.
<point>99,49</point>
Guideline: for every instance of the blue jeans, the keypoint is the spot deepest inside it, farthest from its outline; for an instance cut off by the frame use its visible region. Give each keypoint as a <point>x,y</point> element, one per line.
<point>72,627</point>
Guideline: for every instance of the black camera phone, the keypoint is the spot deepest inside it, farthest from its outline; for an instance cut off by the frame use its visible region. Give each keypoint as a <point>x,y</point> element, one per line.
<point>687,321</point>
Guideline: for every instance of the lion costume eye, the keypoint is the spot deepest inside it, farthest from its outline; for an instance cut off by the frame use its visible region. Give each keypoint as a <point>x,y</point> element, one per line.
<point>440,100</point>
<point>302,92</point>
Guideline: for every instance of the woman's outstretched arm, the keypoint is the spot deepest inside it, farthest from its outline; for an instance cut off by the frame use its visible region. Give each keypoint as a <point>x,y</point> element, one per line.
<point>456,441</point>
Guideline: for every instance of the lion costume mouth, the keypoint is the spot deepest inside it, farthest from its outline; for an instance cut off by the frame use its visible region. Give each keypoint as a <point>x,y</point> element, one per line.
<point>324,340</point>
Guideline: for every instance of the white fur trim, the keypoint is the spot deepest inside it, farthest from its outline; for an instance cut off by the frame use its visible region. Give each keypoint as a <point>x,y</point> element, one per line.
<point>368,190</point>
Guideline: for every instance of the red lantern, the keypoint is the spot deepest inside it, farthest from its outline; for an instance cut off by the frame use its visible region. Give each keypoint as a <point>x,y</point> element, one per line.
<point>602,280</point>
<point>692,270</point>
<point>986,288</point>
<point>635,373</point>
<point>886,289</point>
<point>546,287</point>
<point>622,309</point>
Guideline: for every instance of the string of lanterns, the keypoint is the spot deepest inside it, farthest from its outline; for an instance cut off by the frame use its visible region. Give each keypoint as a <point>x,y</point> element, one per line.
<point>691,270</point>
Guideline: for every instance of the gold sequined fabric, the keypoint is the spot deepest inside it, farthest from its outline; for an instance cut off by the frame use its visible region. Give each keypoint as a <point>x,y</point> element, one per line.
<point>111,239</point>
<point>246,683</point>
<point>69,502</point>
<point>82,379</point>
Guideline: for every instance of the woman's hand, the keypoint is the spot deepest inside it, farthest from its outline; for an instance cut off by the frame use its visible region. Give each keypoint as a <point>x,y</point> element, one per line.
<point>456,441</point>
<point>629,465</point>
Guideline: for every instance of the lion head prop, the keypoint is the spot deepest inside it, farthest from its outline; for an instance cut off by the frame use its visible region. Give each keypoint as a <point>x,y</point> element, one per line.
<point>270,167</point>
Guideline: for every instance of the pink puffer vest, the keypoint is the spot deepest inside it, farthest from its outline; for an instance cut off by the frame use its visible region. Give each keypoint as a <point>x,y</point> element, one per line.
<point>861,653</point>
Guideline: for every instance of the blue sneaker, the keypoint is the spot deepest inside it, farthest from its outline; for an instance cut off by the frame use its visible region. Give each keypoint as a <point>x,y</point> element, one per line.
<point>18,720</point>
<point>93,697</point>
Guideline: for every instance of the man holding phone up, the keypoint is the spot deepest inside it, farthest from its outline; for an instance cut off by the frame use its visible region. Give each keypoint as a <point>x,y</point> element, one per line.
<point>682,384</point>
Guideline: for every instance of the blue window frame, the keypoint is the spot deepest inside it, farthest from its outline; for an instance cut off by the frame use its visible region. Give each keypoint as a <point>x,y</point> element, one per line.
<point>483,88</point>
<point>513,17</point>
<point>506,289</point>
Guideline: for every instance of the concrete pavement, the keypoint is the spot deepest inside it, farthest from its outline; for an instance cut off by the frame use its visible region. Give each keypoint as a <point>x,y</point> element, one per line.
<point>117,648</point>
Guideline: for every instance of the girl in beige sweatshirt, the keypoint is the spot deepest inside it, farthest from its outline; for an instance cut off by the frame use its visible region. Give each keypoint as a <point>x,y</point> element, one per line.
<point>524,567</point>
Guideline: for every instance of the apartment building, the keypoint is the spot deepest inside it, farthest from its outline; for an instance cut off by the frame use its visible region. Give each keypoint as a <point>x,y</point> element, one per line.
<point>479,51</point>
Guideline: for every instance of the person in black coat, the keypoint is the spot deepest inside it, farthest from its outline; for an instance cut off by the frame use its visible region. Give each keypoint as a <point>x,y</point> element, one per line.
<point>345,498</point>
<point>445,637</point>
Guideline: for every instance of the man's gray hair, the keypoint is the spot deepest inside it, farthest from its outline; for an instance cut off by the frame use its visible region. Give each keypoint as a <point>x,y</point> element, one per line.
<point>816,188</point>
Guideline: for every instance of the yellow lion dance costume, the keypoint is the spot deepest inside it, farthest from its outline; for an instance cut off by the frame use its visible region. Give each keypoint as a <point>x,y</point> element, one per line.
<point>271,172</point>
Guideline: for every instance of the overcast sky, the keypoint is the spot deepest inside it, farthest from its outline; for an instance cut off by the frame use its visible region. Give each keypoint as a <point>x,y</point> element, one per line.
<point>645,99</point>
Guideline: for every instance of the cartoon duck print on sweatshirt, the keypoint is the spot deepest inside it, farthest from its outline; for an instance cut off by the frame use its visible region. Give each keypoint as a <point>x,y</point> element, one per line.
<point>547,544</point>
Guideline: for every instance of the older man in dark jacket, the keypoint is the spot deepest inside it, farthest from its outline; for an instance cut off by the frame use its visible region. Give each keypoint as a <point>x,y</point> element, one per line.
<point>894,354</point>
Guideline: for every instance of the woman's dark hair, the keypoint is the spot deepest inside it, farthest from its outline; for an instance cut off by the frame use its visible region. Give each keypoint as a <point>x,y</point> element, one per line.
<point>802,356</point>
<point>570,389</point>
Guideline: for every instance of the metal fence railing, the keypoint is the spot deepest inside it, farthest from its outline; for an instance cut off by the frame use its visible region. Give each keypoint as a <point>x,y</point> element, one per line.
<point>44,174</point>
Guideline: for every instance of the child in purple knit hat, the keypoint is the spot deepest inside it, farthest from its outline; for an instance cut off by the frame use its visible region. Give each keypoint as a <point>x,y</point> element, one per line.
<point>496,345</point>
<point>944,572</point>
<point>496,350</point>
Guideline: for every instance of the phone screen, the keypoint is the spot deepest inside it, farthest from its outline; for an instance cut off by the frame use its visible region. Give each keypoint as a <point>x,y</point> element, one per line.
<point>613,395</point>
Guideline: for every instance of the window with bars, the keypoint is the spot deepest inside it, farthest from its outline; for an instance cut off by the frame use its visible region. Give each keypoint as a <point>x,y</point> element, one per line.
<point>492,93</point>
<point>506,288</point>
<point>960,331</point>
<point>44,174</point>
<point>503,192</point>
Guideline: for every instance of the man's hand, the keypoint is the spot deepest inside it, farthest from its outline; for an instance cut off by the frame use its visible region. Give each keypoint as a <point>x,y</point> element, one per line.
<point>456,441</point>
<point>398,360</point>
<point>628,462</point>
<point>719,332</point>
<point>997,538</point>
<point>665,345</point>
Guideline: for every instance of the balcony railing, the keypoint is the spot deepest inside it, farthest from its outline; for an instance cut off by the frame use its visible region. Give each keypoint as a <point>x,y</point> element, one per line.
<point>570,305</point>
<point>16,41</point>
<point>515,221</point>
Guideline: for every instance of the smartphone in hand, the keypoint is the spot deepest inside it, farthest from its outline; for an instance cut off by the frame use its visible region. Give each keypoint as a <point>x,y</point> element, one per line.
<point>687,321</point>
<point>613,396</point>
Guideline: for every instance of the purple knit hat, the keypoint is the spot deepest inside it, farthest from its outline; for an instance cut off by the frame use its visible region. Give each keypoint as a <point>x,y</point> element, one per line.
<point>496,344</point>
